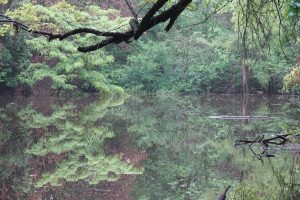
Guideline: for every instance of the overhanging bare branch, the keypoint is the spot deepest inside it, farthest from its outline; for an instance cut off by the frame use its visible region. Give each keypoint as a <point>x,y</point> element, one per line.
<point>147,22</point>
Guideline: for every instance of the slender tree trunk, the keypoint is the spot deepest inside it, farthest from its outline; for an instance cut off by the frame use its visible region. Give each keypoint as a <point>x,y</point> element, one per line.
<point>245,79</point>
<point>245,70</point>
<point>245,67</point>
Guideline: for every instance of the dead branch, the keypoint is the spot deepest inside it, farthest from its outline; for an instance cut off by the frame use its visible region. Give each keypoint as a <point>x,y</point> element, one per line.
<point>265,143</point>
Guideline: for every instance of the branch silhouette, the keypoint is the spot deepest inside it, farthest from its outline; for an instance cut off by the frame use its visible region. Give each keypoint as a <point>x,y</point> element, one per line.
<point>150,19</point>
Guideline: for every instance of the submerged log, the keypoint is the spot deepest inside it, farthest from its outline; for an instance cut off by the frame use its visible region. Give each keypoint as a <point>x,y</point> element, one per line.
<point>235,117</point>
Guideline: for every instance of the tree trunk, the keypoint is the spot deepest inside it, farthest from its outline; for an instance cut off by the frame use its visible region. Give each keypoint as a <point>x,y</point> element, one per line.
<point>245,52</point>
<point>245,79</point>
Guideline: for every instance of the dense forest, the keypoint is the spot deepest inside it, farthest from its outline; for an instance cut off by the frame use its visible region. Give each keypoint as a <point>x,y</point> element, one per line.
<point>213,47</point>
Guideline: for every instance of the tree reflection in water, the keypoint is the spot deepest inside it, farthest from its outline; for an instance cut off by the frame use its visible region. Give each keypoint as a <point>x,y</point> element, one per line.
<point>66,149</point>
<point>193,157</point>
<point>81,150</point>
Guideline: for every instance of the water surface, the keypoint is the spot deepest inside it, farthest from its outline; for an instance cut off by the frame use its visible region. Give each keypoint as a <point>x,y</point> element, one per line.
<point>162,146</point>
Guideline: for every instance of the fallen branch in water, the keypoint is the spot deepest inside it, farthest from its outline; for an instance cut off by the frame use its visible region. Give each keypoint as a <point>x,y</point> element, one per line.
<point>277,140</point>
<point>266,142</point>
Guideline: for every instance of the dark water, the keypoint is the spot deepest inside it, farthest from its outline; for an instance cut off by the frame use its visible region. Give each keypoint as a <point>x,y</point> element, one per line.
<point>163,146</point>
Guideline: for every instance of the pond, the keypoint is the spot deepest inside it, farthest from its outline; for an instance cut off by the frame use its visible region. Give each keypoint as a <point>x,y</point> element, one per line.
<point>162,146</point>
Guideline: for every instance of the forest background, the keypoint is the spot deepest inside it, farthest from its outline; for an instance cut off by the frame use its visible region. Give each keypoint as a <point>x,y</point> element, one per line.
<point>203,53</point>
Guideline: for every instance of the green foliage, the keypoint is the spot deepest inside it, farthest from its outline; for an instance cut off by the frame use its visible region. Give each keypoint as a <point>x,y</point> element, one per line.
<point>208,59</point>
<point>203,63</point>
<point>201,58</point>
<point>292,80</point>
<point>14,58</point>
<point>60,60</point>
<point>294,8</point>
<point>248,192</point>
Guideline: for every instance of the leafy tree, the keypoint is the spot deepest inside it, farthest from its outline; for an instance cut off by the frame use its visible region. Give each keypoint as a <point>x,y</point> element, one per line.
<point>206,60</point>
<point>149,20</point>
<point>209,60</point>
<point>67,68</point>
<point>292,80</point>
<point>14,59</point>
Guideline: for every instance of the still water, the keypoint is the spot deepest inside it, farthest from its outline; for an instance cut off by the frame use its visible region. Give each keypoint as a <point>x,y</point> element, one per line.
<point>141,147</point>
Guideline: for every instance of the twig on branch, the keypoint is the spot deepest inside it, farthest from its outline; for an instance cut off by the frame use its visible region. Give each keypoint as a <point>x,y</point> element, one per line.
<point>142,8</point>
<point>147,22</point>
<point>107,41</point>
<point>209,15</point>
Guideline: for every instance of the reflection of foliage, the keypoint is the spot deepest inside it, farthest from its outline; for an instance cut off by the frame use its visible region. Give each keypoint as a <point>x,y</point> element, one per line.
<point>13,140</point>
<point>248,192</point>
<point>180,145</point>
<point>173,117</point>
<point>5,131</point>
<point>80,135</point>
<point>93,170</point>
<point>275,180</point>
<point>289,182</point>
<point>188,155</point>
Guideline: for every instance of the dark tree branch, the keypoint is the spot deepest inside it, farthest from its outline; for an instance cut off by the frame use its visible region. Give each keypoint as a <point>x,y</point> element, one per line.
<point>4,16</point>
<point>172,21</point>
<point>150,20</point>
<point>266,142</point>
<point>10,21</point>
<point>156,6</point>
<point>147,22</point>
<point>87,30</point>
<point>111,40</point>
<point>277,140</point>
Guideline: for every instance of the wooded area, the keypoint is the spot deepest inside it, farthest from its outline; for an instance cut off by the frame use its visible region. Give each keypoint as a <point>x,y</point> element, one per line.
<point>215,46</point>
